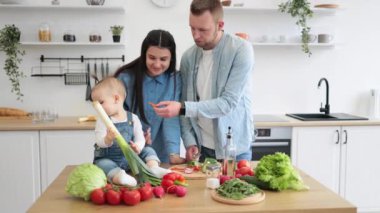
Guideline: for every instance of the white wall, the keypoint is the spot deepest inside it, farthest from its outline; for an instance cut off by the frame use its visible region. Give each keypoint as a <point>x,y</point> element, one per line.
<point>285,79</point>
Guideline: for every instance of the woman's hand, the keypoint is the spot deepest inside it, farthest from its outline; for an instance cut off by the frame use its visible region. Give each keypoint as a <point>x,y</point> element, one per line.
<point>148,138</point>
<point>135,147</point>
<point>167,109</point>
<point>176,159</point>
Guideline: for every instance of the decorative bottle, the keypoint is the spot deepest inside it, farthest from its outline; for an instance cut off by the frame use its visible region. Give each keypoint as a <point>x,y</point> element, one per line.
<point>229,155</point>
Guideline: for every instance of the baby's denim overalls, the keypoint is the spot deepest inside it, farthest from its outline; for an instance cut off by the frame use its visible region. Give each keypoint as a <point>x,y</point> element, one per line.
<point>112,158</point>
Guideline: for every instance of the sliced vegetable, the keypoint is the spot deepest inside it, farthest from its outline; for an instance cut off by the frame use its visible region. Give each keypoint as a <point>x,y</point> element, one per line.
<point>208,161</point>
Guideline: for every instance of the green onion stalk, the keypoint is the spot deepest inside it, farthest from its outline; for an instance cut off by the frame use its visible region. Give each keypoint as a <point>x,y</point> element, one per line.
<point>138,167</point>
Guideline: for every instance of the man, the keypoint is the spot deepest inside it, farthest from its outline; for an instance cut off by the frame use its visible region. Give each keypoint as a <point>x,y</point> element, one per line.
<point>216,75</point>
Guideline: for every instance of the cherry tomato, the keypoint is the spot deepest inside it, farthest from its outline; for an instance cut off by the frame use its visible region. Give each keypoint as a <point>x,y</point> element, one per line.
<point>243,163</point>
<point>146,191</point>
<point>113,197</point>
<point>97,196</point>
<point>131,197</point>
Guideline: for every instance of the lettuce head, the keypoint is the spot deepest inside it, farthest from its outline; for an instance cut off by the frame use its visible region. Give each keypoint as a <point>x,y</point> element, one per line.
<point>84,179</point>
<point>277,171</point>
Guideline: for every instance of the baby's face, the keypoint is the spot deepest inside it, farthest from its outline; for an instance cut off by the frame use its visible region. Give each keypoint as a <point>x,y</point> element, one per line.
<point>107,101</point>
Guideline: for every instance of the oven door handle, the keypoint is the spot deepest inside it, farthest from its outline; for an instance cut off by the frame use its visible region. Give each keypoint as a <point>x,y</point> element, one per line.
<point>258,144</point>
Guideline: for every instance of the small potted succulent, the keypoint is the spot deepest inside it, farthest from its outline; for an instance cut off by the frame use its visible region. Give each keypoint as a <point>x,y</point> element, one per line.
<point>10,44</point>
<point>116,32</point>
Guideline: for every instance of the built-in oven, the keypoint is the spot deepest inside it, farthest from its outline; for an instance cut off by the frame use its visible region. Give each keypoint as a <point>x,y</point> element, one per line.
<point>269,140</point>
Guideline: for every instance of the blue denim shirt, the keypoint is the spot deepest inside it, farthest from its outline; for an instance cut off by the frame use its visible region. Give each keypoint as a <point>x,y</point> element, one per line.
<point>231,103</point>
<point>165,132</point>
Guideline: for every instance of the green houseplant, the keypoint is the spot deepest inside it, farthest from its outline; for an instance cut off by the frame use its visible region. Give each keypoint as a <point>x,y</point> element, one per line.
<point>116,32</point>
<point>10,44</point>
<point>299,9</point>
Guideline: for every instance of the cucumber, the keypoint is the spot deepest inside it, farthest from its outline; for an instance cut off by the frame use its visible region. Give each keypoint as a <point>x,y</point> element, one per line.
<point>260,184</point>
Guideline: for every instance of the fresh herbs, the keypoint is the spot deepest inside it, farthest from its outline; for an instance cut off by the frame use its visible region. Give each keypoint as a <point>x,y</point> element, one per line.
<point>237,189</point>
<point>301,10</point>
<point>10,44</point>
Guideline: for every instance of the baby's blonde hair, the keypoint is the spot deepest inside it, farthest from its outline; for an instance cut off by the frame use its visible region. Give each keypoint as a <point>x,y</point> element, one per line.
<point>111,84</point>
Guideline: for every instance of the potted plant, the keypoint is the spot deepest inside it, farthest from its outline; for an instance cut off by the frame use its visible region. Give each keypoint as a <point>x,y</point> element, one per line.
<point>10,44</point>
<point>300,9</point>
<point>116,32</point>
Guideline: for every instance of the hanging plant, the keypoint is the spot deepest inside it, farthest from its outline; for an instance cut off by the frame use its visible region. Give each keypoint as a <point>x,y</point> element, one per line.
<point>300,9</point>
<point>10,44</point>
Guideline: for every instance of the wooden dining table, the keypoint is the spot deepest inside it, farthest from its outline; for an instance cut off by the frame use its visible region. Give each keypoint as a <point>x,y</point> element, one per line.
<point>198,199</point>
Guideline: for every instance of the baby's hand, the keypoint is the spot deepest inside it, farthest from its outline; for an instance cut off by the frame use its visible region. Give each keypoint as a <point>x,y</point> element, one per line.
<point>135,147</point>
<point>110,136</point>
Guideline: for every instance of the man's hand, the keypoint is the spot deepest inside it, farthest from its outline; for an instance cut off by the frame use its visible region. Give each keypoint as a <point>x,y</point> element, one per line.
<point>167,109</point>
<point>135,147</point>
<point>191,151</point>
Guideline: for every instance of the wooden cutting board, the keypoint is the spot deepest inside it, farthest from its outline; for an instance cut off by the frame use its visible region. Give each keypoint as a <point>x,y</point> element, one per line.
<point>256,198</point>
<point>198,175</point>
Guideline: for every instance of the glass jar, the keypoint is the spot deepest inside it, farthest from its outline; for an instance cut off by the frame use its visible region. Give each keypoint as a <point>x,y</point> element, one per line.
<point>212,173</point>
<point>44,33</point>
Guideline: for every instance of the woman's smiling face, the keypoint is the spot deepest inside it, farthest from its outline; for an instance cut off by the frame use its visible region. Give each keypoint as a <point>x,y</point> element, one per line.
<point>157,60</point>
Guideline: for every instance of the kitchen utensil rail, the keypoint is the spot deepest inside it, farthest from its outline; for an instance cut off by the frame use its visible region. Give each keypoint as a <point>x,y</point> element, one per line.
<point>81,58</point>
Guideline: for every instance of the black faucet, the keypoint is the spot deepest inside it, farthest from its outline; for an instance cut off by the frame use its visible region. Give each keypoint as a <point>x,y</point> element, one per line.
<point>326,110</point>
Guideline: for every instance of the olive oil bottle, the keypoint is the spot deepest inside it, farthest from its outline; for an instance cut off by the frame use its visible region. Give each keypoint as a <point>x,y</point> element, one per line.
<point>229,155</point>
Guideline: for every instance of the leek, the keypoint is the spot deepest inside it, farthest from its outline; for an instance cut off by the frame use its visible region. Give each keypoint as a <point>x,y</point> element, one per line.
<point>138,167</point>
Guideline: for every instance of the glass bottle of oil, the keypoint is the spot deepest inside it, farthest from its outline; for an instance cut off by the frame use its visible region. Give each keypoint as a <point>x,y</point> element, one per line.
<point>229,155</point>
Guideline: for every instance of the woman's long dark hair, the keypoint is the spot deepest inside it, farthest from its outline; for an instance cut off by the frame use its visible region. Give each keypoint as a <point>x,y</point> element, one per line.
<point>159,38</point>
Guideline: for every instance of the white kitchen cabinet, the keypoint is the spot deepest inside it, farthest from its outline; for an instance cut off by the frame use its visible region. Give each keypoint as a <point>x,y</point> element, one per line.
<point>343,158</point>
<point>20,170</point>
<point>62,148</point>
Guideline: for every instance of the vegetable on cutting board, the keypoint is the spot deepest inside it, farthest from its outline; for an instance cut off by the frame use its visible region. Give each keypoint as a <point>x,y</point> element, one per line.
<point>139,169</point>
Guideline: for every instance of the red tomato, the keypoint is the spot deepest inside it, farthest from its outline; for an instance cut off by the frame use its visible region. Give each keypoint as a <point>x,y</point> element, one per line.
<point>107,187</point>
<point>243,163</point>
<point>146,191</point>
<point>113,197</point>
<point>97,196</point>
<point>245,171</point>
<point>131,197</point>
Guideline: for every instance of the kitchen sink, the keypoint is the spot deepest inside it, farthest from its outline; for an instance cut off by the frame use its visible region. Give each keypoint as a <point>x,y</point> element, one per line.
<point>325,117</point>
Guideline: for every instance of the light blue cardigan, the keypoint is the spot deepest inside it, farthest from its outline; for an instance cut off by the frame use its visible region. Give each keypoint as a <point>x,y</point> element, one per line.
<point>231,103</point>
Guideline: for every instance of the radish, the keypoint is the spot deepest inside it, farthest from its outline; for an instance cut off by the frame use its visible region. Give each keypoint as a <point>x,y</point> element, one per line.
<point>180,191</point>
<point>158,191</point>
<point>224,178</point>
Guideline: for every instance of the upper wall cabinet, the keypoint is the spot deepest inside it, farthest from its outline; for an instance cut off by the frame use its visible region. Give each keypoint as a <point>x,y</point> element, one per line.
<point>267,26</point>
<point>83,22</point>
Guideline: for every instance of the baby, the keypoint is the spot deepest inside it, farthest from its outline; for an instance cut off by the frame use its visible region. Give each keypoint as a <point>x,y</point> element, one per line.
<point>111,93</point>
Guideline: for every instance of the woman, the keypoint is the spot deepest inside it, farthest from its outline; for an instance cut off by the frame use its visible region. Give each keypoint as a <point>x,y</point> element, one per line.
<point>149,79</point>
